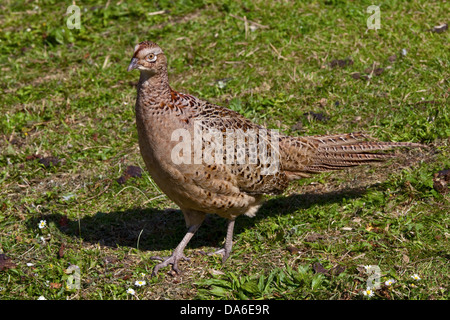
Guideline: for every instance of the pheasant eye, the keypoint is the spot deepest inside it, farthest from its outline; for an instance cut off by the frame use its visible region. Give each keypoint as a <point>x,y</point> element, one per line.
<point>151,57</point>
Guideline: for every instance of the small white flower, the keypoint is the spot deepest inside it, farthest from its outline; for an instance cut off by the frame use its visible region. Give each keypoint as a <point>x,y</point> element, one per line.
<point>28,29</point>
<point>41,298</point>
<point>139,283</point>
<point>368,292</point>
<point>131,291</point>
<point>68,196</point>
<point>42,224</point>
<point>390,282</point>
<point>415,276</point>
<point>142,275</point>
<point>29,264</point>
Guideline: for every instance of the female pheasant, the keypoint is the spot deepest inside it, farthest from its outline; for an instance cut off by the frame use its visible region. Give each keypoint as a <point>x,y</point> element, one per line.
<point>232,181</point>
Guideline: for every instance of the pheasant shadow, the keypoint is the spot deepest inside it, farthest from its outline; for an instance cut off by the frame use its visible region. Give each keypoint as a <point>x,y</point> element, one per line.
<point>283,205</point>
<point>155,230</point>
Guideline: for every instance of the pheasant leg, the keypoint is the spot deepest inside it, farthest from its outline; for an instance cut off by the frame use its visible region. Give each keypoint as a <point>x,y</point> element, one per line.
<point>177,254</point>
<point>226,250</point>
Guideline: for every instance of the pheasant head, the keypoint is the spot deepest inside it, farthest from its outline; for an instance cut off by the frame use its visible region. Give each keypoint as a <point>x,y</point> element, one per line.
<point>148,57</point>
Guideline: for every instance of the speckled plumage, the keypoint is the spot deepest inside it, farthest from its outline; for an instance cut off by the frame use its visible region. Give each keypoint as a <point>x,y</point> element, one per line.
<point>225,189</point>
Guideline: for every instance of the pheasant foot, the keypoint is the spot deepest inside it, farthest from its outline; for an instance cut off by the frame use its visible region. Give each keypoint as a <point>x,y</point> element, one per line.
<point>177,254</point>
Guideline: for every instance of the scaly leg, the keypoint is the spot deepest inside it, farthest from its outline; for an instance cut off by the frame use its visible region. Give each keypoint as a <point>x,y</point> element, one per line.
<point>226,250</point>
<point>177,253</point>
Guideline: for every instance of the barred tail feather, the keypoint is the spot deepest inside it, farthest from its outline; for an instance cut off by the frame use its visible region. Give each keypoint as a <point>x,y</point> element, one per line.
<point>336,152</point>
<point>366,146</point>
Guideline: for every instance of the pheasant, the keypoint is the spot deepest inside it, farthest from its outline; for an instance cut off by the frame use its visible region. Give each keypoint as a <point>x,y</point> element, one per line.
<point>233,181</point>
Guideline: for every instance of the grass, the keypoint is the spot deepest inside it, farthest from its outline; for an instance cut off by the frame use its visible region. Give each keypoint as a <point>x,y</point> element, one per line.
<point>67,134</point>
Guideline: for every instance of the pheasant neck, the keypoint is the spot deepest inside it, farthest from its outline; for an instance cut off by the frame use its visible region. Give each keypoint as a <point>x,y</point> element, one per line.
<point>153,87</point>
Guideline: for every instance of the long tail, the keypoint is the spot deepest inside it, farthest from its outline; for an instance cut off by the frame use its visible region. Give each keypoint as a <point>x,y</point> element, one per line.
<point>315,154</point>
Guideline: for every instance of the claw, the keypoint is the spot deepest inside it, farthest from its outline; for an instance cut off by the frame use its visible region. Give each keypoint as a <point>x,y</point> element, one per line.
<point>225,254</point>
<point>177,255</point>
<point>157,258</point>
<point>173,260</point>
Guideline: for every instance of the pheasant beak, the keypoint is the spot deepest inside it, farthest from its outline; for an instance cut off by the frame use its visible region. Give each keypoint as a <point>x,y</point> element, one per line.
<point>133,64</point>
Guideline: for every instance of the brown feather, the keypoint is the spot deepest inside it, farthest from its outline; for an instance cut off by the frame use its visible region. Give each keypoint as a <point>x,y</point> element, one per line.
<point>333,152</point>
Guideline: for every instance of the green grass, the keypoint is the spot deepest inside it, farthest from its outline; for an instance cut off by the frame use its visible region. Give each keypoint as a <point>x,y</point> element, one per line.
<point>66,94</point>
